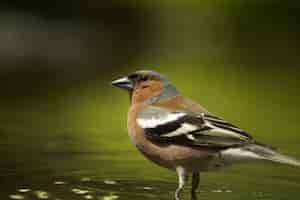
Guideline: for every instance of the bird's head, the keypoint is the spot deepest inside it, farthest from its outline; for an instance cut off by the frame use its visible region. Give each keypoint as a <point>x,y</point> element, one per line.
<point>147,86</point>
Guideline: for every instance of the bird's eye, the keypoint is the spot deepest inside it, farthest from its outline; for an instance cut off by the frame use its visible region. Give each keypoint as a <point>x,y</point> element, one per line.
<point>145,86</point>
<point>133,76</point>
<point>144,78</point>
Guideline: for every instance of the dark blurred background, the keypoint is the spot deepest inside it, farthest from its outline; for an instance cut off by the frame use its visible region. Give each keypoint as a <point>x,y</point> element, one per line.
<point>57,59</point>
<point>57,43</point>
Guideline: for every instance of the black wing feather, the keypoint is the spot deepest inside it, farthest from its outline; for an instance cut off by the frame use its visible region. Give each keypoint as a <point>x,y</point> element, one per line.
<point>218,122</point>
<point>169,127</point>
<point>201,130</point>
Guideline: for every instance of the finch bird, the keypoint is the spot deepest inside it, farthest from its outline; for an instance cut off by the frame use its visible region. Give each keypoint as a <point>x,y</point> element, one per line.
<point>179,134</point>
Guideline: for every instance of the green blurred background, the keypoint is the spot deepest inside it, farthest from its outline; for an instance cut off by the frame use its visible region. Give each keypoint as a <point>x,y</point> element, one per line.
<point>61,119</point>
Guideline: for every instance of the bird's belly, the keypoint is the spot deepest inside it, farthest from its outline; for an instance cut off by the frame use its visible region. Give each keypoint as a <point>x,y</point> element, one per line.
<point>172,156</point>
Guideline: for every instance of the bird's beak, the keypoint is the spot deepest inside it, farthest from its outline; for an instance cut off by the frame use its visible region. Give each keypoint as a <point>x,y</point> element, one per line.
<point>123,83</point>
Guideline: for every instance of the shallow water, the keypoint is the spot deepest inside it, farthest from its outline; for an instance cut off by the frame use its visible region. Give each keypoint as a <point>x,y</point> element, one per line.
<point>89,176</point>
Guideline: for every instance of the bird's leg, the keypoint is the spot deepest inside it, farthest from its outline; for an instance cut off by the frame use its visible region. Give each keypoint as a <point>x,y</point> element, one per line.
<point>195,184</point>
<point>182,178</point>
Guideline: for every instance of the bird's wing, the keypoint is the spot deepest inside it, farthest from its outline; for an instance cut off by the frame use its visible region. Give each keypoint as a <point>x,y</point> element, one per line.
<point>178,127</point>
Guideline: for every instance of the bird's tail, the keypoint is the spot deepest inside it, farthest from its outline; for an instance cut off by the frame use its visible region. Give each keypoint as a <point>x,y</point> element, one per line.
<point>271,154</point>
<point>258,151</point>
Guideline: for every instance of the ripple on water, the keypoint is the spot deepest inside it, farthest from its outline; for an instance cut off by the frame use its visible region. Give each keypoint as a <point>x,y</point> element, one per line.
<point>110,182</point>
<point>41,194</point>
<point>110,197</point>
<point>24,190</point>
<point>79,191</point>
<point>85,188</point>
<point>88,196</point>
<point>16,196</point>
<point>59,183</point>
<point>147,188</point>
<point>85,179</point>
<point>217,191</point>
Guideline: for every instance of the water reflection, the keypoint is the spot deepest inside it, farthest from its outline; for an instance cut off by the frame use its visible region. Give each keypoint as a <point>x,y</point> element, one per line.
<point>16,196</point>
<point>59,183</point>
<point>41,194</point>
<point>90,189</point>
<point>23,190</point>
<point>85,188</point>
<point>89,176</point>
<point>110,197</point>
